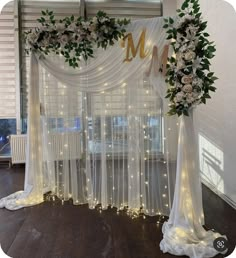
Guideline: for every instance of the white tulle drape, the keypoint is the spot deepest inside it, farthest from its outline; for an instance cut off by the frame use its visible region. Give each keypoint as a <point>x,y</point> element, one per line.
<point>183,234</point>
<point>98,135</point>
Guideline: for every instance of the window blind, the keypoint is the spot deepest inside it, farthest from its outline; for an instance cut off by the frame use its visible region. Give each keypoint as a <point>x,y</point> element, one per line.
<point>129,9</point>
<point>7,62</point>
<point>30,11</point>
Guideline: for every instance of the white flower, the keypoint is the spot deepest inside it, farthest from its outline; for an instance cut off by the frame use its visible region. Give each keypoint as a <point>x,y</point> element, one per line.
<point>72,27</point>
<point>32,38</point>
<point>92,27</point>
<point>197,64</point>
<point>44,42</point>
<point>190,99</point>
<point>182,20</point>
<point>197,81</point>
<point>192,29</point>
<point>60,27</point>
<point>189,55</point>
<point>86,25</point>
<point>179,38</point>
<point>179,96</point>
<point>95,20</point>
<point>188,17</point>
<point>183,48</point>
<point>104,28</point>
<point>180,64</point>
<point>103,19</point>
<point>178,85</point>
<point>187,88</point>
<point>186,79</point>
<point>93,35</point>
<point>192,45</point>
<point>63,40</point>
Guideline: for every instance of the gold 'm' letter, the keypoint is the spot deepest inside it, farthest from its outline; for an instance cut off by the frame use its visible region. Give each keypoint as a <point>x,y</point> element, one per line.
<point>131,47</point>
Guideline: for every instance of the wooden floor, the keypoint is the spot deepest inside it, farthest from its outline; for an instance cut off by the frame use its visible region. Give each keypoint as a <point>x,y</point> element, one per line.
<point>51,230</point>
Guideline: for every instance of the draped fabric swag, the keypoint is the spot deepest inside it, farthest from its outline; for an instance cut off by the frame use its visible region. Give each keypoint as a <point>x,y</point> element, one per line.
<point>99,135</point>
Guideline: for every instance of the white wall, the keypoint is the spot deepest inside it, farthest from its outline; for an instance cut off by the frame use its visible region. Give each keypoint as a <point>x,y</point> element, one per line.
<point>169,7</point>
<point>217,120</point>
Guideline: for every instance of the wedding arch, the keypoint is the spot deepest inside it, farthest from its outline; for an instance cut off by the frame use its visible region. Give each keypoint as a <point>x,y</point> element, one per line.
<point>97,129</point>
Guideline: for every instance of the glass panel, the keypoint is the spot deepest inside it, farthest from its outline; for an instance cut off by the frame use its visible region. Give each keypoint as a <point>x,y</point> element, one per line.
<point>7,127</point>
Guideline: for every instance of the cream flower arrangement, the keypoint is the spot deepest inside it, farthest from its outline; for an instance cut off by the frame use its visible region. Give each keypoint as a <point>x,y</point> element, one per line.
<point>74,38</point>
<point>188,70</point>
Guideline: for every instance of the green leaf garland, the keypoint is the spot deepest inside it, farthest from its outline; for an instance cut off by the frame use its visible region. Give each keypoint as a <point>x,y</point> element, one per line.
<point>188,70</point>
<point>74,38</point>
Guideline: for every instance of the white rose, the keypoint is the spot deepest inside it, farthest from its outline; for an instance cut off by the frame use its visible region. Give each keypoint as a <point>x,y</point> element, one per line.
<point>179,96</point>
<point>63,40</point>
<point>190,98</point>
<point>180,64</point>
<point>60,27</point>
<point>32,38</point>
<point>189,56</point>
<point>188,88</point>
<point>45,42</point>
<point>186,79</point>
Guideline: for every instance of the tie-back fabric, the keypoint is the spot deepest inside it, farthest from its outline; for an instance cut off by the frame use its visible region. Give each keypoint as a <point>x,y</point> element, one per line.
<point>99,135</point>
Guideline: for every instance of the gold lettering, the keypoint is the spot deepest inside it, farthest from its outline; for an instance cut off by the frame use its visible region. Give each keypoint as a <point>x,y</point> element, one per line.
<point>158,65</point>
<point>131,48</point>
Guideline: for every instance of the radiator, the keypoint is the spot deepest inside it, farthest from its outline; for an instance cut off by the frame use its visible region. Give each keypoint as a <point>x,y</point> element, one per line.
<point>58,143</point>
<point>18,148</point>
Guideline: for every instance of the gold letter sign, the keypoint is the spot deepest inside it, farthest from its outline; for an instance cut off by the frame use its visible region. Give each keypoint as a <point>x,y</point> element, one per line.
<point>131,48</point>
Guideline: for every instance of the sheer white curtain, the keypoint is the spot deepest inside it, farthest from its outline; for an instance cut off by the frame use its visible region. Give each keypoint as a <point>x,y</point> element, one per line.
<point>118,158</point>
<point>103,139</point>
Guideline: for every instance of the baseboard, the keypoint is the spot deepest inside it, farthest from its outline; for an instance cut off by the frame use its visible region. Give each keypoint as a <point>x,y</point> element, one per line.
<point>221,195</point>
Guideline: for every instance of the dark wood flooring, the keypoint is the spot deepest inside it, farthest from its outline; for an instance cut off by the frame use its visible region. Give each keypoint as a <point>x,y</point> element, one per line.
<point>52,230</point>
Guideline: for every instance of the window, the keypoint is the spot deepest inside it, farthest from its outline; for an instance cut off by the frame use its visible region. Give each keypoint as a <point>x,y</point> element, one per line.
<point>7,127</point>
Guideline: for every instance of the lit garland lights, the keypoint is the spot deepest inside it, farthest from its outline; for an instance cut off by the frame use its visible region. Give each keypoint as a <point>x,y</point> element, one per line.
<point>188,70</point>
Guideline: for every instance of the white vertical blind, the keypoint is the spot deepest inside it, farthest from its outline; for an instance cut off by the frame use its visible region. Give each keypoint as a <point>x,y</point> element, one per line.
<point>30,11</point>
<point>130,9</point>
<point>7,62</point>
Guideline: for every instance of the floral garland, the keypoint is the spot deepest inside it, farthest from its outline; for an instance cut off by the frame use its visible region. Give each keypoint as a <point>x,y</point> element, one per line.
<point>73,37</point>
<point>188,70</point>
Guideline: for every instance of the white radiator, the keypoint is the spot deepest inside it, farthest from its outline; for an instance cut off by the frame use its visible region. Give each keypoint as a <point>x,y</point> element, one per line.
<point>18,148</point>
<point>58,143</point>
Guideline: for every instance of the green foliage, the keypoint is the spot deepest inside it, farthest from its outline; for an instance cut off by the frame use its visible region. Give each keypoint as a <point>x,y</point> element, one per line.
<point>188,37</point>
<point>74,38</point>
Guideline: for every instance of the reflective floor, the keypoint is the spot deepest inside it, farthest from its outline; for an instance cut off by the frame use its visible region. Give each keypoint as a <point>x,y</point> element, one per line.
<point>53,230</point>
